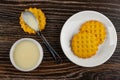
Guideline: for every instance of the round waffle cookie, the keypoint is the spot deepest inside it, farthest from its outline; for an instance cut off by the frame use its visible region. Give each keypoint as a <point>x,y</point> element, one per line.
<point>95,27</point>
<point>38,13</point>
<point>84,45</point>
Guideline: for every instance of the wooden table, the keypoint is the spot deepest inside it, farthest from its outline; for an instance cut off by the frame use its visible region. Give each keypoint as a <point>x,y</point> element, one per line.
<point>57,12</point>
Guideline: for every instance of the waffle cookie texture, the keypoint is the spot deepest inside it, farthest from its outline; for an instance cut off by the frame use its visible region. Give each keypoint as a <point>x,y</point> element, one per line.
<point>85,43</point>
<point>96,28</point>
<point>38,13</point>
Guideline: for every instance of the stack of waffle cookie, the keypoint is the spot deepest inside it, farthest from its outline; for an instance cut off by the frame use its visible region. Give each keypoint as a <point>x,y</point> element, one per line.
<point>85,43</point>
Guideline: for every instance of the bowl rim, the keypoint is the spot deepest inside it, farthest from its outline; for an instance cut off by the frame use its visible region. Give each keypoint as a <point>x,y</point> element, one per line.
<point>40,52</point>
<point>74,55</point>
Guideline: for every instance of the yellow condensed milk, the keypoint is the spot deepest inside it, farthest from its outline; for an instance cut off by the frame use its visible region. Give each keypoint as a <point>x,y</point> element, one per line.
<point>26,55</point>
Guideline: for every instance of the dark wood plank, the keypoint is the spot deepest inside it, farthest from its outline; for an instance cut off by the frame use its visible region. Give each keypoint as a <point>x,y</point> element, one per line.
<point>57,12</point>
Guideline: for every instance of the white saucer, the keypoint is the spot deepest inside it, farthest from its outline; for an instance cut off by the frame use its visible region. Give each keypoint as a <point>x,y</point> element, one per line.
<point>72,26</point>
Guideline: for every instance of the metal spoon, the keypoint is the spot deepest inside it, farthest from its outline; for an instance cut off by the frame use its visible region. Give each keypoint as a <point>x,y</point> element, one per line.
<point>32,22</point>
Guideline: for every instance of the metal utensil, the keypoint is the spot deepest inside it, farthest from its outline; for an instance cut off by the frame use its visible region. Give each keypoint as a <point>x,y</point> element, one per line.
<point>32,22</point>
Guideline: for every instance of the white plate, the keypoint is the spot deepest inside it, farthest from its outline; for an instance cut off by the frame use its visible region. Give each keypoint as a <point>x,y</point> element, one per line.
<point>72,26</point>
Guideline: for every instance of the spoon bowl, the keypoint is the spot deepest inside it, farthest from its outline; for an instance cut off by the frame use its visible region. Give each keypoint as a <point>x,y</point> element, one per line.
<point>30,20</point>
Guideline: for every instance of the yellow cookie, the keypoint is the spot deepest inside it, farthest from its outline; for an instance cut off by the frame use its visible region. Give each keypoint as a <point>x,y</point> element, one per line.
<point>96,28</point>
<point>84,45</point>
<point>41,19</point>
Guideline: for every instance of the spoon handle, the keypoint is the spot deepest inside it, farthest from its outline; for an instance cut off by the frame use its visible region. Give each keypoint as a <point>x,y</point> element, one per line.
<point>49,47</point>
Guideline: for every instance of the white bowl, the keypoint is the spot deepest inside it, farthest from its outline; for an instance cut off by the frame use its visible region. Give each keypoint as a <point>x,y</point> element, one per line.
<point>72,26</point>
<point>12,51</point>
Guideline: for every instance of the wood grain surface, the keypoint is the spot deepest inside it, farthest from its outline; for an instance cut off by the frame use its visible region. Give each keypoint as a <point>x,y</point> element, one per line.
<point>57,12</point>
